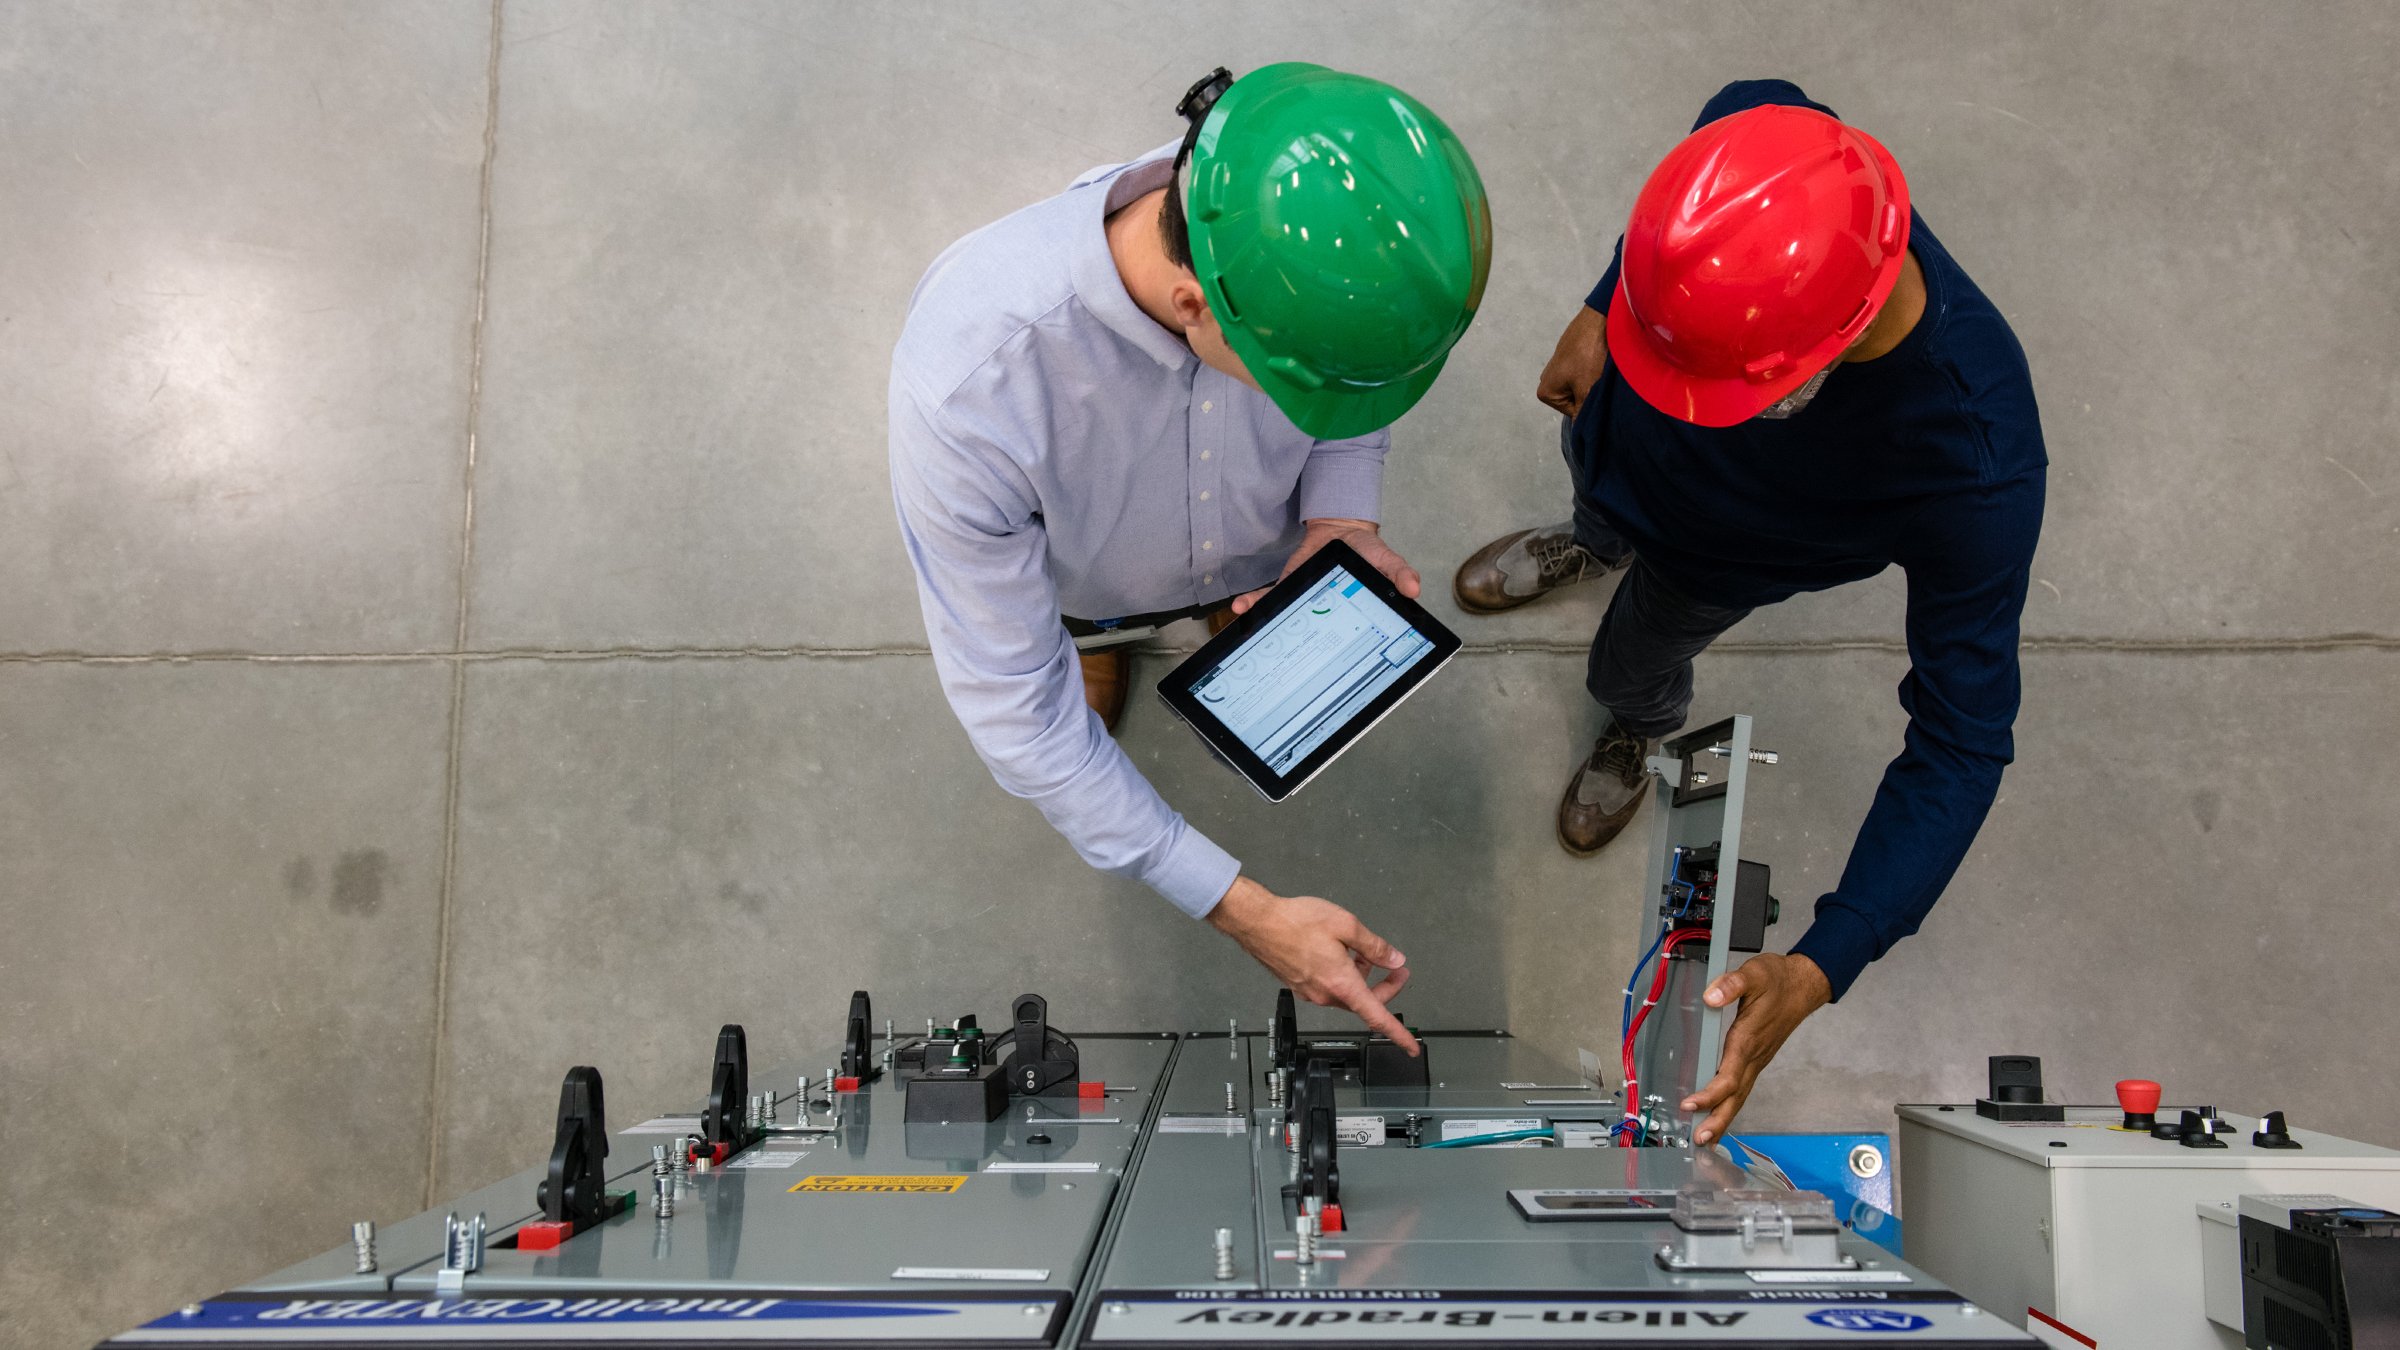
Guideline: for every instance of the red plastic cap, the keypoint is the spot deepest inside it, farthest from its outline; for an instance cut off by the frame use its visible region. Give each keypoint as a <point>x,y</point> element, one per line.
<point>543,1235</point>
<point>1091,1089</point>
<point>2138,1096</point>
<point>1332,1215</point>
<point>846,1083</point>
<point>1759,249</point>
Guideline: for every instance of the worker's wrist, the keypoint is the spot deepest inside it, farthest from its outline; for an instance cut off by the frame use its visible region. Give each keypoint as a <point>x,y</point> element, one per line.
<point>1239,905</point>
<point>1813,979</point>
<point>1333,525</point>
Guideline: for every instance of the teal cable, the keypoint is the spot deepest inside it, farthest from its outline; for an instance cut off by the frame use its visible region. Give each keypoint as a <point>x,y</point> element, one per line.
<point>1501,1138</point>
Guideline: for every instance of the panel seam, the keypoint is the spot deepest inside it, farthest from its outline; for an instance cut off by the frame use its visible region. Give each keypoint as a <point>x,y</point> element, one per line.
<point>436,1096</point>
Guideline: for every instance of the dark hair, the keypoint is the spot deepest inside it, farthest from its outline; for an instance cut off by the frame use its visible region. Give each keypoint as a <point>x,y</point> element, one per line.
<point>1172,231</point>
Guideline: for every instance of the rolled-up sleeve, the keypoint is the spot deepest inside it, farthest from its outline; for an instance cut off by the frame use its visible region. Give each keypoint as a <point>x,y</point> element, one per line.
<point>1343,480</point>
<point>1007,665</point>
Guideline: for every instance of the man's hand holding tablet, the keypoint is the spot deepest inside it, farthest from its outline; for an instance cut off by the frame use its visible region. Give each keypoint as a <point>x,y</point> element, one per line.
<point>1365,536</point>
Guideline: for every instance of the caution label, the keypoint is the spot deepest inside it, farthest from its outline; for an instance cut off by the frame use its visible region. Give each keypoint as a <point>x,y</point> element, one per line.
<point>941,1185</point>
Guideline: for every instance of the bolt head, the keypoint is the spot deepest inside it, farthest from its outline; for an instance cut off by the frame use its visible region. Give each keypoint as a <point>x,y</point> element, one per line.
<point>1866,1162</point>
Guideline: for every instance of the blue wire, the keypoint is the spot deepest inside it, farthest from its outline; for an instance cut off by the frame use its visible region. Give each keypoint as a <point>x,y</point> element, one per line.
<point>1665,926</point>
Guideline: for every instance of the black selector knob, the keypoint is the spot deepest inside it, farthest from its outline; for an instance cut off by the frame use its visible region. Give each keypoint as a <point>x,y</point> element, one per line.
<point>2198,1131</point>
<point>2167,1130</point>
<point>2272,1134</point>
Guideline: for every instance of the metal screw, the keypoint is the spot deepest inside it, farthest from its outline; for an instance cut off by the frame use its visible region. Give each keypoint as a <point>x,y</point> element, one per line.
<point>829,1079</point>
<point>1304,1249</point>
<point>1232,1107</point>
<point>1224,1253</point>
<point>1756,756</point>
<point>888,1042</point>
<point>773,1104</point>
<point>1866,1162</point>
<point>758,1110</point>
<point>929,1028</point>
<point>680,1158</point>
<point>362,1236</point>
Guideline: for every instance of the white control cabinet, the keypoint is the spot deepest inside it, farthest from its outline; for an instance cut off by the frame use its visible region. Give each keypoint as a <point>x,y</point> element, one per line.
<point>2087,1234</point>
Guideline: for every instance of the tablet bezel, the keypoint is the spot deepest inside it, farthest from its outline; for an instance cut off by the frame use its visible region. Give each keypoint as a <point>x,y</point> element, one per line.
<point>1175,690</point>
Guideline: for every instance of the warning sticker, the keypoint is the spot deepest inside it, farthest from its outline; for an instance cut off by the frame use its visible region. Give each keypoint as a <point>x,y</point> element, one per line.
<point>880,1185</point>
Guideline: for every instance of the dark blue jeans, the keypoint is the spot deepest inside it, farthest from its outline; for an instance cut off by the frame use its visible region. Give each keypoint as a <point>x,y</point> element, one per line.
<point>1641,662</point>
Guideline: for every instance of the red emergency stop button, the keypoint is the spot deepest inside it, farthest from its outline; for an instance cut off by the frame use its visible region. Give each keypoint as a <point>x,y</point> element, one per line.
<point>2139,1097</point>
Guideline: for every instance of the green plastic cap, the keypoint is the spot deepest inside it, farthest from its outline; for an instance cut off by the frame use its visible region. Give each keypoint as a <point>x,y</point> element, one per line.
<point>1343,239</point>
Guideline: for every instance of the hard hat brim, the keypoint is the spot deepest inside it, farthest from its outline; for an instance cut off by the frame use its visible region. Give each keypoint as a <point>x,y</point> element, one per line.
<point>1337,411</point>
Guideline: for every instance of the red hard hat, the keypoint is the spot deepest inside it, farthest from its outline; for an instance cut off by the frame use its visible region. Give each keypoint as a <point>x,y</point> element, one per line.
<point>1761,247</point>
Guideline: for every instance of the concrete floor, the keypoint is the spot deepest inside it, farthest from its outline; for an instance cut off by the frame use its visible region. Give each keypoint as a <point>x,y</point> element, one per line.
<point>451,622</point>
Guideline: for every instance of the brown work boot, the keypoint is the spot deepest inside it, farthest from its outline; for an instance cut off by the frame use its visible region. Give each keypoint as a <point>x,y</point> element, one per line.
<point>1107,675</point>
<point>1525,566</point>
<point>1605,792</point>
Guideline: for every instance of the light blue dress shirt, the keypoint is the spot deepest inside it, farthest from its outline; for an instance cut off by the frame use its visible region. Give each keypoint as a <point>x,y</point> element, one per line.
<point>1055,451</point>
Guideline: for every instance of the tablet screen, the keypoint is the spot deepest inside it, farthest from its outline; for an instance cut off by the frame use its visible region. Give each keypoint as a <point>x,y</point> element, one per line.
<point>1311,669</point>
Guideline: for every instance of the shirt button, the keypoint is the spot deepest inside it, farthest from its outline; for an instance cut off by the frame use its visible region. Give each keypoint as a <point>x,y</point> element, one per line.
<point>1204,454</point>
<point>1204,496</point>
<point>1207,577</point>
<point>1208,405</point>
<point>1207,544</point>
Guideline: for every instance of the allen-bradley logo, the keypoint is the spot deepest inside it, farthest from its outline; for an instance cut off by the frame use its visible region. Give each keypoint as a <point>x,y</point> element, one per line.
<point>1869,1319</point>
<point>1458,1317</point>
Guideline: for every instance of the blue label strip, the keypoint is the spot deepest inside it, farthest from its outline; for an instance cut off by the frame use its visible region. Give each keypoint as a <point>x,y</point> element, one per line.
<point>283,1313</point>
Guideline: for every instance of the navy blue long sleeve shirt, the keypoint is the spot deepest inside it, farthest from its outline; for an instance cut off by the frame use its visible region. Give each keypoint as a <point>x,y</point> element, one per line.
<point>1928,458</point>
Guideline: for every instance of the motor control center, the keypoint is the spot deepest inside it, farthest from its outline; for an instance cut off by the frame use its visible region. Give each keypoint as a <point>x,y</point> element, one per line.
<point>1007,1184</point>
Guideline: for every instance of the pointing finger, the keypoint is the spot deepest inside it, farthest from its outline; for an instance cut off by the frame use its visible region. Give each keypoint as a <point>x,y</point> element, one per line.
<point>1378,1018</point>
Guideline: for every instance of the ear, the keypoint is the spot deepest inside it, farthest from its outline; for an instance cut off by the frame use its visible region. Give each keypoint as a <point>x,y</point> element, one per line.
<point>1190,304</point>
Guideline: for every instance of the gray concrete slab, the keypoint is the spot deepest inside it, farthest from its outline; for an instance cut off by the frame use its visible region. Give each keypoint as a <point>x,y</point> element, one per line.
<point>240,281</point>
<point>220,886</point>
<point>665,415</point>
<point>2184,879</point>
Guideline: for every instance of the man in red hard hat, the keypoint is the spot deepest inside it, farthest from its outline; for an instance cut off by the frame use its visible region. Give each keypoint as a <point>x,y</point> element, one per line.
<point>1785,383</point>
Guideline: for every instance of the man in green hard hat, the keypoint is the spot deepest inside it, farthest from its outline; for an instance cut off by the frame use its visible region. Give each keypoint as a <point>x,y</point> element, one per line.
<point>1146,399</point>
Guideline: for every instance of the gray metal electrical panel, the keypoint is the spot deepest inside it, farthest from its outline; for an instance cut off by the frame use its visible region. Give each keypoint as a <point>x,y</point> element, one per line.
<point>1151,1203</point>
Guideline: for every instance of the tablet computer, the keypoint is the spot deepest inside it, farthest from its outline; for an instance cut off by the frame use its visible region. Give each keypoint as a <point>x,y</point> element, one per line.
<point>1316,662</point>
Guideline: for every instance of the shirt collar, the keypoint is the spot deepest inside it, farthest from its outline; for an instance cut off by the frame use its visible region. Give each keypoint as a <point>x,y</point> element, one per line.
<point>1097,284</point>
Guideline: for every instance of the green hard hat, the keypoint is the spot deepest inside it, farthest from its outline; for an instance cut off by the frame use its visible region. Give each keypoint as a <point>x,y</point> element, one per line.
<point>1342,237</point>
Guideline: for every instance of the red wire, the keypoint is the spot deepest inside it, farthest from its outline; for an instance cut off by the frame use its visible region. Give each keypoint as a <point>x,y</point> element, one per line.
<point>1658,987</point>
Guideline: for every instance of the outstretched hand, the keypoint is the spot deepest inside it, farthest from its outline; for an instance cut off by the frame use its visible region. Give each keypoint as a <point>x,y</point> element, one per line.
<point>1362,535</point>
<point>1320,950</point>
<point>1776,993</point>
